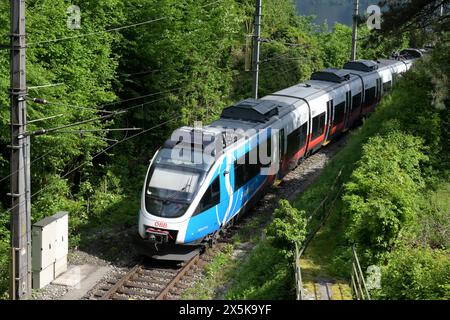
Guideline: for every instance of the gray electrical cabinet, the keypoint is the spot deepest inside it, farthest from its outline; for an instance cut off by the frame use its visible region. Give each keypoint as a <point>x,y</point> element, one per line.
<point>49,248</point>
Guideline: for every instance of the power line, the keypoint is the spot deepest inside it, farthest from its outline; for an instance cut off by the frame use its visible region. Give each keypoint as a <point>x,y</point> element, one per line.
<point>284,59</point>
<point>104,117</point>
<point>46,131</point>
<point>43,101</point>
<point>75,131</point>
<point>99,154</point>
<point>100,130</point>
<point>141,97</point>
<point>287,44</point>
<point>46,118</point>
<point>8,176</point>
<point>110,30</point>
<point>138,73</point>
<point>46,86</point>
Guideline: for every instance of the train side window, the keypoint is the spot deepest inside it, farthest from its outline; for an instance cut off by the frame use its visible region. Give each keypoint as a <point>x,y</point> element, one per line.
<point>251,167</point>
<point>356,101</point>
<point>244,171</point>
<point>296,139</point>
<point>303,134</point>
<point>318,125</point>
<point>211,198</point>
<point>339,112</point>
<point>239,173</point>
<point>387,86</point>
<point>370,96</point>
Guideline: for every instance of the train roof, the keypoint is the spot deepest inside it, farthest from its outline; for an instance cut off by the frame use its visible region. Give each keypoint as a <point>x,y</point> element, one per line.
<point>252,110</point>
<point>243,118</point>
<point>361,65</point>
<point>411,53</point>
<point>331,75</point>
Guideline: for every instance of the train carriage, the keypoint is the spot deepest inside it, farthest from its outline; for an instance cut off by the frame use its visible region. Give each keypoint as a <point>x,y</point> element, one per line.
<point>203,178</point>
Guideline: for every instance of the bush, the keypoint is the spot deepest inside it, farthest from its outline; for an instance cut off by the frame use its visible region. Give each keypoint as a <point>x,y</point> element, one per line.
<point>432,222</point>
<point>287,228</point>
<point>267,274</point>
<point>416,273</point>
<point>382,194</point>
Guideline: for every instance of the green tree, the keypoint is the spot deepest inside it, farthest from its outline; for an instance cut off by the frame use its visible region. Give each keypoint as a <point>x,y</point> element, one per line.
<point>287,228</point>
<point>416,274</point>
<point>382,194</point>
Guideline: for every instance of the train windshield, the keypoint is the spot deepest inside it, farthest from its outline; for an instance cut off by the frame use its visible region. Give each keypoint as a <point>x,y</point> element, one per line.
<point>173,183</point>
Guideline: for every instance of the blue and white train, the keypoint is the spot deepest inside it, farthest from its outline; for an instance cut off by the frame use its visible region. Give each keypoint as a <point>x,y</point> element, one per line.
<point>202,179</point>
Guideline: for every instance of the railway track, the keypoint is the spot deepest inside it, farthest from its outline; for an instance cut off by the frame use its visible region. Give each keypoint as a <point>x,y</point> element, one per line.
<point>147,281</point>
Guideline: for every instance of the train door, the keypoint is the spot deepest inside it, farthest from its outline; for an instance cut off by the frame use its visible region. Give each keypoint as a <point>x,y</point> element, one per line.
<point>281,153</point>
<point>379,81</point>
<point>330,115</point>
<point>348,109</point>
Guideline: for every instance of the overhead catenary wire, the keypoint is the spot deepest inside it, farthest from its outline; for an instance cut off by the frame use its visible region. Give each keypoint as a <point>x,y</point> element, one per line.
<point>102,106</point>
<point>46,118</point>
<point>100,130</point>
<point>46,102</point>
<point>21,168</point>
<point>287,44</point>
<point>282,59</point>
<point>99,154</point>
<point>83,136</point>
<point>100,118</point>
<point>89,34</point>
<point>45,131</point>
<point>51,85</point>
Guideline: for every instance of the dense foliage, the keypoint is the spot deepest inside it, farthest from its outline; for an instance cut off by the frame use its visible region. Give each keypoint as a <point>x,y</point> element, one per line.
<point>416,274</point>
<point>288,227</point>
<point>382,194</point>
<point>395,205</point>
<point>186,63</point>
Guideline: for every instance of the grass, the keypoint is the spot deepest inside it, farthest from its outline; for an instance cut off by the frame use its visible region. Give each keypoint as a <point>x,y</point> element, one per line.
<point>216,275</point>
<point>267,273</point>
<point>328,254</point>
<point>441,197</point>
<point>227,277</point>
<point>318,260</point>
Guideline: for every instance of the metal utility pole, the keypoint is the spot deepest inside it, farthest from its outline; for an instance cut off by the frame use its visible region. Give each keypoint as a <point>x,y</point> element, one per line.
<point>20,278</point>
<point>256,47</point>
<point>355,29</point>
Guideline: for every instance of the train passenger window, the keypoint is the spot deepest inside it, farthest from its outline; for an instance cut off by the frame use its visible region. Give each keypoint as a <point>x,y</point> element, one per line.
<point>245,169</point>
<point>339,112</point>
<point>296,139</point>
<point>211,197</point>
<point>252,165</point>
<point>318,125</point>
<point>370,95</point>
<point>239,174</point>
<point>387,86</point>
<point>356,101</point>
<point>303,134</point>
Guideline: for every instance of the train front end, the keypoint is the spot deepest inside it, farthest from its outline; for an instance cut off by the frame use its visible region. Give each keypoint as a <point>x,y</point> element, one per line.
<point>171,187</point>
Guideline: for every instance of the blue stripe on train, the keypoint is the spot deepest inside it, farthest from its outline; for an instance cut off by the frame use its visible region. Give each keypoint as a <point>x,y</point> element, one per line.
<point>209,221</point>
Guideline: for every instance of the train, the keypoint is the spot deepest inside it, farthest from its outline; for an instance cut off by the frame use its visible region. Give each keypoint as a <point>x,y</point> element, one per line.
<point>204,178</point>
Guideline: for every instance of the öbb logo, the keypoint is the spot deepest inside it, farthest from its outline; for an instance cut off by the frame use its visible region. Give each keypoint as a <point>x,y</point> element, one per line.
<point>161,224</point>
